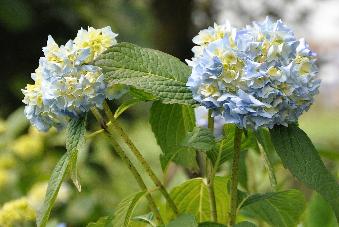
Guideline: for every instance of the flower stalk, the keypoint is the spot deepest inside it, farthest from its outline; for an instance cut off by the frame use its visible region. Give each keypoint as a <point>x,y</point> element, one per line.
<point>234,177</point>
<point>129,164</point>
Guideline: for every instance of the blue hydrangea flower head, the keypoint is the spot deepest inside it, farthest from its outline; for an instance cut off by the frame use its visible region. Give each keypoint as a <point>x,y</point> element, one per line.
<point>257,76</point>
<point>66,84</point>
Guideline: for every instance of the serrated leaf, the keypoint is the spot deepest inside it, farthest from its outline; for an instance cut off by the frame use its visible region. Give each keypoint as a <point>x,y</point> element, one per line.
<point>124,210</point>
<point>199,139</point>
<point>192,197</point>
<point>75,140</point>
<point>170,123</point>
<point>124,106</point>
<point>102,222</point>
<point>264,138</point>
<point>299,155</point>
<point>279,209</point>
<point>53,187</point>
<point>319,213</point>
<point>186,220</point>
<point>152,71</point>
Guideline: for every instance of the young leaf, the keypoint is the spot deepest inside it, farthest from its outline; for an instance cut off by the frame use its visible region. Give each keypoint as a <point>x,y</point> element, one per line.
<point>124,106</point>
<point>192,197</point>
<point>53,187</point>
<point>75,140</point>
<point>186,220</point>
<point>124,210</point>
<point>280,209</point>
<point>199,139</point>
<point>299,155</point>
<point>102,222</point>
<point>170,123</point>
<point>263,137</point>
<point>152,71</point>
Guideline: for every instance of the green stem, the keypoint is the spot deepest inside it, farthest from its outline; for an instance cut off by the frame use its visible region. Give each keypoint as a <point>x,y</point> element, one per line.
<point>234,177</point>
<point>210,173</point>
<point>115,125</point>
<point>129,164</point>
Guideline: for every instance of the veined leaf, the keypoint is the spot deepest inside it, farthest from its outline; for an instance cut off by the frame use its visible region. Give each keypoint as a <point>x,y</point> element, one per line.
<point>299,155</point>
<point>279,209</point>
<point>124,210</point>
<point>200,139</point>
<point>53,187</point>
<point>152,71</point>
<point>192,197</point>
<point>75,140</point>
<point>170,123</point>
<point>186,220</point>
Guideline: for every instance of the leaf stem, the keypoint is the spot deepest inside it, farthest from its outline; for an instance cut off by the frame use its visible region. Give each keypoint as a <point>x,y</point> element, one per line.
<point>210,173</point>
<point>234,177</point>
<point>115,125</point>
<point>129,164</point>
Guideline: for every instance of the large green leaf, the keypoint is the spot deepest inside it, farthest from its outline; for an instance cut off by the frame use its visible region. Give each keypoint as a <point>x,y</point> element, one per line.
<point>192,197</point>
<point>299,155</point>
<point>124,210</point>
<point>319,213</point>
<point>53,187</point>
<point>152,71</point>
<point>280,209</point>
<point>170,124</point>
<point>200,139</point>
<point>184,220</point>
<point>75,140</point>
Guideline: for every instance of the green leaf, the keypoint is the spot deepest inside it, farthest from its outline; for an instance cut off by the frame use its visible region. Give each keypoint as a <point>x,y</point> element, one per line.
<point>53,187</point>
<point>124,210</point>
<point>245,224</point>
<point>319,213</point>
<point>199,139</point>
<point>152,71</point>
<point>124,106</point>
<point>280,209</point>
<point>192,197</point>
<point>264,138</point>
<point>299,155</point>
<point>75,140</point>
<point>170,124</point>
<point>102,222</point>
<point>147,218</point>
<point>186,220</point>
<point>211,224</point>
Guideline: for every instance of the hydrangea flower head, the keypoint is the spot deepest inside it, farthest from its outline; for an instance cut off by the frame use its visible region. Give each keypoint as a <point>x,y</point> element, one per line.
<point>66,84</point>
<point>264,77</point>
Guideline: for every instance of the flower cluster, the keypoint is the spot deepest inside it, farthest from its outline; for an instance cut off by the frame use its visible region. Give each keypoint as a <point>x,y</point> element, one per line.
<point>66,84</point>
<point>257,76</point>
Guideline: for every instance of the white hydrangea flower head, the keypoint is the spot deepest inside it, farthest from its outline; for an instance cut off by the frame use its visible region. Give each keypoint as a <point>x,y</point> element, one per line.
<point>265,77</point>
<point>66,84</point>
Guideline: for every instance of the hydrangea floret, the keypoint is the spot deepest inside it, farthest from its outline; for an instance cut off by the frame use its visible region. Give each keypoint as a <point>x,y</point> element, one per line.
<point>66,83</point>
<point>257,76</point>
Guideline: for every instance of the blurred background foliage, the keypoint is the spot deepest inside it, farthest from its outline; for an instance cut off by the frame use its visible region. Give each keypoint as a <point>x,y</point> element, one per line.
<point>27,157</point>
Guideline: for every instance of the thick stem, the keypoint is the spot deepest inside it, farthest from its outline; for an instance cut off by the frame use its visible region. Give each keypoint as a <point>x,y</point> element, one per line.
<point>115,125</point>
<point>129,164</point>
<point>234,177</point>
<point>210,172</point>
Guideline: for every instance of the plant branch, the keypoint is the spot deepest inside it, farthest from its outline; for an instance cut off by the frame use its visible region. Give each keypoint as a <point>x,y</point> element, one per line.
<point>234,177</point>
<point>129,164</point>
<point>115,125</point>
